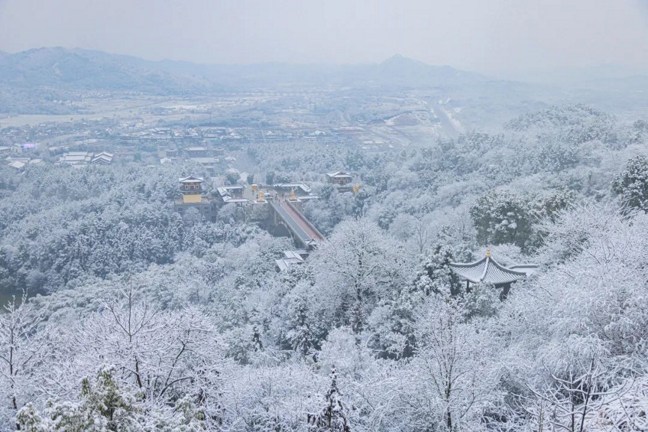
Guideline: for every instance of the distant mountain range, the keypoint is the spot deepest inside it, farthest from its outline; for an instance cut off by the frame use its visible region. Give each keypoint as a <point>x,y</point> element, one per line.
<point>64,69</point>
<point>76,69</point>
<point>37,80</point>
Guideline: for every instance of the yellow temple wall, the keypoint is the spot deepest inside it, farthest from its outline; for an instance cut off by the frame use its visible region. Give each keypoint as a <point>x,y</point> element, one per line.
<point>191,199</point>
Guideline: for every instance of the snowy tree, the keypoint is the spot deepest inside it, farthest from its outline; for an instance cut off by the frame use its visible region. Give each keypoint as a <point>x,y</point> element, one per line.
<point>269,398</point>
<point>436,276</point>
<point>355,268</point>
<point>394,320</point>
<point>622,407</point>
<point>448,383</point>
<point>573,344</point>
<point>104,407</point>
<point>23,349</point>
<point>304,334</point>
<point>632,184</point>
<point>333,417</point>
<point>502,217</point>
<point>162,356</point>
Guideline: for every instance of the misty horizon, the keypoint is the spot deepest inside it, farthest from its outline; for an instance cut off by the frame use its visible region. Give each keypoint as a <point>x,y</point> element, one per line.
<point>548,75</point>
<point>499,39</point>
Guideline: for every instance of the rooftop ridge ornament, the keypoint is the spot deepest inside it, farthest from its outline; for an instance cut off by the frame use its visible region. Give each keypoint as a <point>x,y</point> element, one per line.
<point>488,252</point>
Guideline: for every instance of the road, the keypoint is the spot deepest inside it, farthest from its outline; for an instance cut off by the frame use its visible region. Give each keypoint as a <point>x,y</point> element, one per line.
<point>297,222</point>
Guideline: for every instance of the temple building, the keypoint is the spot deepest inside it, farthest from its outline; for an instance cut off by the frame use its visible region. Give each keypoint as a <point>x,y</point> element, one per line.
<point>191,188</point>
<point>341,180</point>
<point>193,197</point>
<point>489,271</point>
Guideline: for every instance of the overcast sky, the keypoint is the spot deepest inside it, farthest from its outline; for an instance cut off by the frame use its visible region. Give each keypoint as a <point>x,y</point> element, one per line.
<point>492,36</point>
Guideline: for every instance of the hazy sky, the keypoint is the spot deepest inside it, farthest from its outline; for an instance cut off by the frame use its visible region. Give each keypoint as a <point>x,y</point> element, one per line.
<point>483,35</point>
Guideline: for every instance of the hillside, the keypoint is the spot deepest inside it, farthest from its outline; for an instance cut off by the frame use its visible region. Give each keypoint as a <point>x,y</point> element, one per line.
<point>222,339</point>
<point>83,70</point>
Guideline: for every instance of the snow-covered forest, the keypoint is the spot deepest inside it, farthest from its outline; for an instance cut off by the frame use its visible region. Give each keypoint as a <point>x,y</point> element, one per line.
<point>128,316</point>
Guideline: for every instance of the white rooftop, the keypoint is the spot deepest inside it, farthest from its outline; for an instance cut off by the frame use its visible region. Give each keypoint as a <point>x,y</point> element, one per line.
<point>190,179</point>
<point>487,270</point>
<point>339,174</point>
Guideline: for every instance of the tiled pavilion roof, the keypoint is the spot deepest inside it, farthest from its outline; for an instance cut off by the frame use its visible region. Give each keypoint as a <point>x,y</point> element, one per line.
<point>487,270</point>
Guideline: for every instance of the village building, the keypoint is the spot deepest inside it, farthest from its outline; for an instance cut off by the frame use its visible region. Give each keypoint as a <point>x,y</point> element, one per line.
<point>76,158</point>
<point>290,259</point>
<point>17,165</point>
<point>196,152</point>
<point>169,152</point>
<point>103,158</point>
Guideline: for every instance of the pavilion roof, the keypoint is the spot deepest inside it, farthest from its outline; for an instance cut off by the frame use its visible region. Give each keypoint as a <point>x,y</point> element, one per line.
<point>487,270</point>
<point>339,174</point>
<point>190,179</point>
